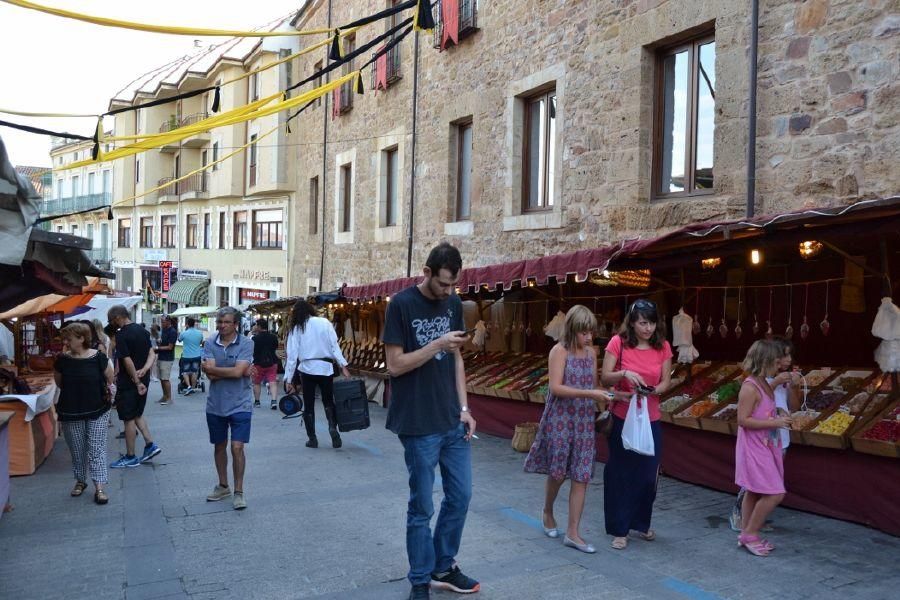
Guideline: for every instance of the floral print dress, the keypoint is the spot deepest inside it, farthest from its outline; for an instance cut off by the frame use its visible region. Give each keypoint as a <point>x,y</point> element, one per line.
<point>564,446</point>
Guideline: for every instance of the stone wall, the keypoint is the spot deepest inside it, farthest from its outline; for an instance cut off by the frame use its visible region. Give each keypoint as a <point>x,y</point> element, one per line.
<point>827,107</point>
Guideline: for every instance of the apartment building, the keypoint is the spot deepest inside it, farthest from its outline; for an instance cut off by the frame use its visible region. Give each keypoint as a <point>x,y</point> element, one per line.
<point>81,198</point>
<point>552,127</point>
<point>217,236</point>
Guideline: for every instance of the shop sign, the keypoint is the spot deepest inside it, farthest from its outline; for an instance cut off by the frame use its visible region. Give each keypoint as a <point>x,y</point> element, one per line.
<point>248,294</point>
<point>253,274</point>
<point>151,256</point>
<point>166,267</point>
<point>193,274</point>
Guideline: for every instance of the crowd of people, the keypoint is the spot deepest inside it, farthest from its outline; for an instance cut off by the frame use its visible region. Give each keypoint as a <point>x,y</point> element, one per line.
<point>103,368</point>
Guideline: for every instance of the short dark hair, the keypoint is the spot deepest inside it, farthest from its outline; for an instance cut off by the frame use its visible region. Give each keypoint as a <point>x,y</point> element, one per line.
<point>444,256</point>
<point>117,310</point>
<point>190,322</point>
<point>262,324</point>
<point>646,309</point>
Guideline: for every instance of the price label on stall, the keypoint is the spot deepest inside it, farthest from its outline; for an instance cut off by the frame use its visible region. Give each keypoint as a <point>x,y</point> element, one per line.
<point>165,266</point>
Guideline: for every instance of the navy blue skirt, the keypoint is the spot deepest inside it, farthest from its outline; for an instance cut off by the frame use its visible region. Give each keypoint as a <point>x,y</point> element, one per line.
<point>629,483</point>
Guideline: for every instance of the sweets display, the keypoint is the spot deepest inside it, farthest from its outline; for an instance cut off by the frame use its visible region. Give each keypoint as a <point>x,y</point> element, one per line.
<point>672,403</point>
<point>803,419</point>
<point>698,409</point>
<point>817,377</point>
<point>727,392</point>
<point>836,424</point>
<point>822,400</point>
<point>729,413</point>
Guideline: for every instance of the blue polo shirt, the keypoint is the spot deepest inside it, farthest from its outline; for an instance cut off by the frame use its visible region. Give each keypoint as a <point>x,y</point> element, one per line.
<point>232,395</point>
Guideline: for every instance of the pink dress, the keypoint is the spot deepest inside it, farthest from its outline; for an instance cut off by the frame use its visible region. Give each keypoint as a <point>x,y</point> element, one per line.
<point>758,464</point>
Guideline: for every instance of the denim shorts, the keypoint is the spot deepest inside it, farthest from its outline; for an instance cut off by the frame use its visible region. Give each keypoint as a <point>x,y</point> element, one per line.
<point>218,427</point>
<point>189,365</point>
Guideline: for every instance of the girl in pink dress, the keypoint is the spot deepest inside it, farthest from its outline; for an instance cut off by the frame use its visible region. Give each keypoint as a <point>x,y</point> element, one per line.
<point>758,457</point>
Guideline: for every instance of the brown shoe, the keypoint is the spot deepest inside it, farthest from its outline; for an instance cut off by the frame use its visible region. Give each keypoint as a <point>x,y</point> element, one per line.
<point>78,489</point>
<point>100,497</point>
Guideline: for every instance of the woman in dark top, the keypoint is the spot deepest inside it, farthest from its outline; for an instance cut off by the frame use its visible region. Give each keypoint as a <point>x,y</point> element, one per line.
<point>84,377</point>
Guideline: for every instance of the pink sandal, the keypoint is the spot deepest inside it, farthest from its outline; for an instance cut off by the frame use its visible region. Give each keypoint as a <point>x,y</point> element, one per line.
<point>754,545</point>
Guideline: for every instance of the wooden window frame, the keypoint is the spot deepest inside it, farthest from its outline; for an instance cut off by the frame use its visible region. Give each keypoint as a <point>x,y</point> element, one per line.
<point>239,230</point>
<point>146,233</point>
<point>314,205</point>
<point>168,235</point>
<point>692,45</point>
<point>253,160</point>
<point>346,222</point>
<point>124,233</point>
<point>207,231</point>
<point>264,230</point>
<point>223,230</point>
<point>191,230</point>
<point>457,202</point>
<point>543,94</point>
<point>389,156</point>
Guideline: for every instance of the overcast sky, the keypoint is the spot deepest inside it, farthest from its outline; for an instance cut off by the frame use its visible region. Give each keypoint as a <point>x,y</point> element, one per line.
<point>53,64</point>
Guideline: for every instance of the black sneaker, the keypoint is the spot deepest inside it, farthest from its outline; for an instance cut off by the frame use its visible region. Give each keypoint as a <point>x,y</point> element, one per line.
<point>455,581</point>
<point>420,592</point>
<point>256,403</point>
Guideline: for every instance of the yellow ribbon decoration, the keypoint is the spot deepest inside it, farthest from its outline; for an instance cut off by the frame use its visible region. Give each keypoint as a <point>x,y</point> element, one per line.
<point>245,113</point>
<point>171,29</point>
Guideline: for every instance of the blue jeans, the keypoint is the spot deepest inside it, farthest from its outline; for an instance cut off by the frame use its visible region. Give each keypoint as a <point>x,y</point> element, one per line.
<point>423,453</point>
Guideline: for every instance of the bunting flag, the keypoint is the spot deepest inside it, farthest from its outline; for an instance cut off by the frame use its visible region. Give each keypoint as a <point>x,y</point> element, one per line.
<point>381,82</point>
<point>424,19</point>
<point>335,103</point>
<point>449,23</point>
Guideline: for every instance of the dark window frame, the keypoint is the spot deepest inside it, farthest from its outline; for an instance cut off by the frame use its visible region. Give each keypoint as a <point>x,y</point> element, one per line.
<point>124,233</point>
<point>168,225</point>
<point>692,45</point>
<point>191,230</point>
<point>146,232</point>
<point>390,156</point>
<point>239,230</point>
<point>545,202</point>
<point>345,221</point>
<point>252,159</point>
<point>223,230</point>
<point>207,230</point>
<point>461,127</point>
<point>267,235</point>
<point>314,205</point>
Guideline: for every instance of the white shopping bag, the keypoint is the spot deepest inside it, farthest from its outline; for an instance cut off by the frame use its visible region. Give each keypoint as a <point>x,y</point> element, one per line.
<point>636,433</point>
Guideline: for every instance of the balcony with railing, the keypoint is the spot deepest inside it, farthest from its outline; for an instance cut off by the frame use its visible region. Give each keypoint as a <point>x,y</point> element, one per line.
<point>468,19</point>
<point>387,68</point>
<point>101,256</point>
<point>194,186</point>
<point>168,190</point>
<point>63,206</point>
<point>197,140</point>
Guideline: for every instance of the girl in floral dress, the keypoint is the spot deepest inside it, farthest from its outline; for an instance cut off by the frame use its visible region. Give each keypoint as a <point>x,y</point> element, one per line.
<point>758,463</point>
<point>564,445</point>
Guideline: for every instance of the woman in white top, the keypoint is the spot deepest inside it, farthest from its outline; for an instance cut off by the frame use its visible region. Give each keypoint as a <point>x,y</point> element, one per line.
<point>312,345</point>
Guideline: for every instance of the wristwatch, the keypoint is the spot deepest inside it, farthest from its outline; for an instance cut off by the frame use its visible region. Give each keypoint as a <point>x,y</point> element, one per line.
<point>464,409</point>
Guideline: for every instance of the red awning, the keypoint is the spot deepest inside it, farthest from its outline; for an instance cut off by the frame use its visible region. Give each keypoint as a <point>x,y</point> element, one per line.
<point>579,263</point>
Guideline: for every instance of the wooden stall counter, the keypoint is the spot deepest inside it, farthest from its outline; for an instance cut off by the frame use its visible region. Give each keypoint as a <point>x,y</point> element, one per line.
<point>32,429</point>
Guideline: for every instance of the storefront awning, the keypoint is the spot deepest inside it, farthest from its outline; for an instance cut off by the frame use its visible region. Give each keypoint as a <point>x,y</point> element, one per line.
<point>189,292</point>
<point>194,311</point>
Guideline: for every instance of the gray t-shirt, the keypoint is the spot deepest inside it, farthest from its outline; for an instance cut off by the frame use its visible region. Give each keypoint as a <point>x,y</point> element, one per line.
<point>232,395</point>
<point>423,401</point>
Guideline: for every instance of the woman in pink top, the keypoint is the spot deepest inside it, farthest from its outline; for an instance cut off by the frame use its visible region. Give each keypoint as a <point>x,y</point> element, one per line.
<point>638,356</point>
<point>758,463</point>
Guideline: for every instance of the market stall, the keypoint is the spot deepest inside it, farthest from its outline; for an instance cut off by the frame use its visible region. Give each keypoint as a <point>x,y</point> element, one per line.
<point>817,277</point>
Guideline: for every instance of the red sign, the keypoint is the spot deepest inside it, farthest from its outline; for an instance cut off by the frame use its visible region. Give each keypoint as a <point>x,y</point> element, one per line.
<point>248,294</point>
<point>166,267</point>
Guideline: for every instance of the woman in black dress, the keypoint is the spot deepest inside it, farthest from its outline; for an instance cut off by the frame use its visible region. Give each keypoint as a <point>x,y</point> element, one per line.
<point>85,379</point>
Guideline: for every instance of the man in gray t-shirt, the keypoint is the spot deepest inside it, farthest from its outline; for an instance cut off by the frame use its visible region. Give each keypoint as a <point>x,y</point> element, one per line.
<point>227,357</point>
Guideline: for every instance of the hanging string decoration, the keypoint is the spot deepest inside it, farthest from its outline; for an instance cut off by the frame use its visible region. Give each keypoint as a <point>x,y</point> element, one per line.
<point>804,329</point>
<point>825,326</point>
<point>738,331</point>
<point>789,330</point>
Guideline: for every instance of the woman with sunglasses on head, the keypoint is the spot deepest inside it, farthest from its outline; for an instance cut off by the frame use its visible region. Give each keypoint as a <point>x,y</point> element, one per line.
<point>637,359</point>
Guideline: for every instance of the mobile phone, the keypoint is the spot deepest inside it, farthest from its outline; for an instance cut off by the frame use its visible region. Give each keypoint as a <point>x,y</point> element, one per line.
<point>469,331</point>
<point>646,389</point>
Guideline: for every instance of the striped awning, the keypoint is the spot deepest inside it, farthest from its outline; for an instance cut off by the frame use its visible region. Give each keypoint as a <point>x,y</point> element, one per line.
<point>189,292</point>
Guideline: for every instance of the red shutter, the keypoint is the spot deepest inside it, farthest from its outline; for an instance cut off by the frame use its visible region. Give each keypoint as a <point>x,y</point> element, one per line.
<point>381,69</point>
<point>335,102</point>
<point>450,22</point>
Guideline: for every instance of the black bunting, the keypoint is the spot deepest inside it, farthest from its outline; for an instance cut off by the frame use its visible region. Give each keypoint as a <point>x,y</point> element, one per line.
<point>216,100</point>
<point>424,18</point>
<point>335,52</point>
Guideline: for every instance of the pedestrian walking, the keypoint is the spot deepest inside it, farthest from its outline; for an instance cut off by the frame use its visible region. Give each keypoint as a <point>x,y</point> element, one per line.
<point>135,359</point>
<point>758,463</point>
<point>564,447</point>
<point>265,363</point>
<point>165,356</point>
<point>84,377</point>
<point>311,347</point>
<point>429,411</point>
<point>191,353</point>
<point>638,360</point>
<point>227,357</point>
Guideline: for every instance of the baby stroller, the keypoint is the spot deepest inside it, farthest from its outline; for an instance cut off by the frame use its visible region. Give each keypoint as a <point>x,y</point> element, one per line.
<point>182,387</point>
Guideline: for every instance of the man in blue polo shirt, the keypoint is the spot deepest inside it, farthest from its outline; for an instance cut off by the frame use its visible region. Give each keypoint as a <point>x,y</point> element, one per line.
<point>227,357</point>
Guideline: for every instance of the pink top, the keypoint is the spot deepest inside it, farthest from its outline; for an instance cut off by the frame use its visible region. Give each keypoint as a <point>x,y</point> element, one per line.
<point>647,363</point>
<point>758,464</point>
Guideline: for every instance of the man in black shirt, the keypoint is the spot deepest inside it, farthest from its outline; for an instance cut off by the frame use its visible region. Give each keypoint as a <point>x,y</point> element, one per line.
<point>135,357</point>
<point>165,356</point>
<point>265,363</point>
<point>429,411</point>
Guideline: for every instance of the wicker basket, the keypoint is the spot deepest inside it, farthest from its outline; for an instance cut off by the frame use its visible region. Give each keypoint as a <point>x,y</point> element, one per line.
<point>524,436</point>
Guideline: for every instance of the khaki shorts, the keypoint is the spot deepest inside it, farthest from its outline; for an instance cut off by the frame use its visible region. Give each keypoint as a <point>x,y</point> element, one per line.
<point>164,369</point>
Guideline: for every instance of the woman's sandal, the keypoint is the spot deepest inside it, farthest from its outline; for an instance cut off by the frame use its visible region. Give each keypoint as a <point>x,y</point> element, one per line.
<point>100,497</point>
<point>754,545</point>
<point>620,543</point>
<point>649,536</point>
<point>78,489</point>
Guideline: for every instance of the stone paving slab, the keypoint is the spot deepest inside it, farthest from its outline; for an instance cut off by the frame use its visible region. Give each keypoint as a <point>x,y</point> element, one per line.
<point>329,524</point>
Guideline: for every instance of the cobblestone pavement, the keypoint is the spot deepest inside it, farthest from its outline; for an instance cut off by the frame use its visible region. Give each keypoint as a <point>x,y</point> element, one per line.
<point>329,523</point>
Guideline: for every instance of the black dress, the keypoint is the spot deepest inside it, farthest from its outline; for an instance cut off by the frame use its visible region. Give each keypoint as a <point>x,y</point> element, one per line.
<point>82,394</point>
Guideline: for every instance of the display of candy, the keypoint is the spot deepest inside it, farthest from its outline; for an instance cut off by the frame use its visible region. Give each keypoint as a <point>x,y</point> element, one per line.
<point>884,430</point>
<point>672,403</point>
<point>698,409</point>
<point>847,383</point>
<point>823,399</point>
<point>814,378</point>
<point>729,413</point>
<point>728,392</point>
<point>856,404</point>
<point>802,419</point>
<point>698,387</point>
<point>836,424</point>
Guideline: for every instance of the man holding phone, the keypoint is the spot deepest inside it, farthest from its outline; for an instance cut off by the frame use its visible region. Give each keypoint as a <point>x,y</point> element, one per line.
<point>429,411</point>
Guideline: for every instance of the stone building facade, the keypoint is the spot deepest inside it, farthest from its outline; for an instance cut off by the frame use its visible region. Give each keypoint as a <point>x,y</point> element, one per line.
<point>557,125</point>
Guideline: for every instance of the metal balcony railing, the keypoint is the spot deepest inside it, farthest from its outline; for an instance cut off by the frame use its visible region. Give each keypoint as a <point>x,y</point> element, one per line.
<point>62,206</point>
<point>392,58</point>
<point>195,118</point>
<point>173,123</point>
<point>169,124</point>
<point>100,255</point>
<point>198,182</point>
<point>468,20</point>
<point>168,189</point>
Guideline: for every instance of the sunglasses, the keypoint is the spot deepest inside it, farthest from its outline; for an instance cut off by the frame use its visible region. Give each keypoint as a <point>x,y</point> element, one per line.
<point>642,305</point>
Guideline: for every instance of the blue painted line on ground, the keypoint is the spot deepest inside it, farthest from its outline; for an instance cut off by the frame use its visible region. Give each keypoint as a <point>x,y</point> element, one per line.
<point>686,589</point>
<point>522,518</point>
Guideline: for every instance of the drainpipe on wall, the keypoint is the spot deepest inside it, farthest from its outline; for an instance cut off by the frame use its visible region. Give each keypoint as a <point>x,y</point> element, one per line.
<point>412,169</point>
<point>323,200</point>
<point>751,107</point>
